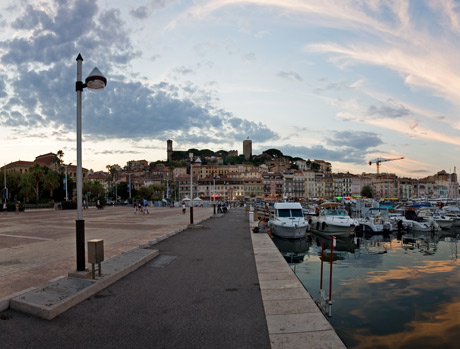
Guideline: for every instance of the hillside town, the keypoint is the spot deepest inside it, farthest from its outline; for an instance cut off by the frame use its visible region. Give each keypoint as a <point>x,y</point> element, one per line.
<point>270,176</point>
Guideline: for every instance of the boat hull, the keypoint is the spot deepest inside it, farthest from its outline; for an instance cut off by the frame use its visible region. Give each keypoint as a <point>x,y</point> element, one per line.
<point>289,232</point>
<point>331,229</point>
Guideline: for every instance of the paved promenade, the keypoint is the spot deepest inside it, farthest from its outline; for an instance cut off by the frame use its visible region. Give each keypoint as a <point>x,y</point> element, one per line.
<point>213,285</point>
<point>37,246</point>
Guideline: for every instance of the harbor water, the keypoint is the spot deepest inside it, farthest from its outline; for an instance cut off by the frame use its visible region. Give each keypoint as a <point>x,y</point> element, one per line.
<point>386,293</point>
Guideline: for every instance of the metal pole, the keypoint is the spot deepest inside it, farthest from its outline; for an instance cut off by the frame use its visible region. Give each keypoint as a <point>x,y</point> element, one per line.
<point>66,185</point>
<point>5,195</point>
<point>330,272</point>
<point>322,259</point>
<point>80,223</point>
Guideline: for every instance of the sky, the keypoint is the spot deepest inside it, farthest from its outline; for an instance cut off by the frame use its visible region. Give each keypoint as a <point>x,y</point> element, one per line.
<point>342,81</point>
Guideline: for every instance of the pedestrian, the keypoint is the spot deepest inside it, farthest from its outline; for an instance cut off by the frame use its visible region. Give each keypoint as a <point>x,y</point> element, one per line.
<point>4,207</point>
<point>17,206</point>
<point>146,207</point>
<point>84,204</point>
<point>135,207</point>
<point>183,207</point>
<point>139,207</point>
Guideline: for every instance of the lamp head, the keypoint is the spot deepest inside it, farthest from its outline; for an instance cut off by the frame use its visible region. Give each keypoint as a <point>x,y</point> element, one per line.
<point>96,80</point>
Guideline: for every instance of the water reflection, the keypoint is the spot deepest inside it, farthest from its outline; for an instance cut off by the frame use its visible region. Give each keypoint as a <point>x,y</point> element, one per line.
<point>293,250</point>
<point>390,293</point>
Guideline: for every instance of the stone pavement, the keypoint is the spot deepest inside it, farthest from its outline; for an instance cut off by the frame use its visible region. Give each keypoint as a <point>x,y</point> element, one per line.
<point>39,245</point>
<point>216,285</point>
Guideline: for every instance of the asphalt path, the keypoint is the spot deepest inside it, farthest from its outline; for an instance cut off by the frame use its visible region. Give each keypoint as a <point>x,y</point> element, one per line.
<point>201,292</point>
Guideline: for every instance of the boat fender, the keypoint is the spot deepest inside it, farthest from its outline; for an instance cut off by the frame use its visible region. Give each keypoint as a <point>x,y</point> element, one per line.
<point>324,226</point>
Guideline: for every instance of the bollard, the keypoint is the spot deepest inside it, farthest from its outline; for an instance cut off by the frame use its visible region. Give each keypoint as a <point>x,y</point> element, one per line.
<point>191,214</point>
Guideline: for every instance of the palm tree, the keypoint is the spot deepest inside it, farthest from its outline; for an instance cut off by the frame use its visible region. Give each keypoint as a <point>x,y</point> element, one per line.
<point>113,177</point>
<point>58,160</point>
<point>37,172</point>
<point>51,181</point>
<point>27,186</point>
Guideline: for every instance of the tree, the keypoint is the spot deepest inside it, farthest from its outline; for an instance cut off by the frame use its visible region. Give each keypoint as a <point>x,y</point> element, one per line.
<point>315,166</point>
<point>274,153</point>
<point>27,186</point>
<point>58,160</point>
<point>38,174</point>
<point>95,188</point>
<point>367,191</point>
<point>51,181</point>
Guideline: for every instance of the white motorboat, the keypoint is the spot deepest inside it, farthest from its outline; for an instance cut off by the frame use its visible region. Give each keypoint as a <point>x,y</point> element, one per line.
<point>416,224</point>
<point>333,220</point>
<point>454,213</point>
<point>375,221</point>
<point>434,214</point>
<point>288,221</point>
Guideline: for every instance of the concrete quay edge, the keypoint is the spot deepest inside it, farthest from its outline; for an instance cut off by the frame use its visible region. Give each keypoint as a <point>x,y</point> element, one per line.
<point>293,318</point>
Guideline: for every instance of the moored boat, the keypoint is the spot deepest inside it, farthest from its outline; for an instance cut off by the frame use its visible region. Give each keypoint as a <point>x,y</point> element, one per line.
<point>288,221</point>
<point>333,220</point>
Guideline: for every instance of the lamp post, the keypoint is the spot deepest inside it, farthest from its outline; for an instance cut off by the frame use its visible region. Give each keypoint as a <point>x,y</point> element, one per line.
<point>5,189</point>
<point>94,81</point>
<point>190,155</point>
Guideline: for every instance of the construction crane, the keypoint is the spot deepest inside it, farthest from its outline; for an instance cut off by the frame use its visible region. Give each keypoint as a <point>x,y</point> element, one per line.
<point>379,160</point>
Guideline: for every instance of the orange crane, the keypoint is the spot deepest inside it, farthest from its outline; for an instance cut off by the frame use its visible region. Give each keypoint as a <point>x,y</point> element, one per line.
<point>379,160</point>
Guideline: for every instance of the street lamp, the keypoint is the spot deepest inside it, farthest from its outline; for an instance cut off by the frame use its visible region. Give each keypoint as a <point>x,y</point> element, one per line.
<point>190,155</point>
<point>95,81</point>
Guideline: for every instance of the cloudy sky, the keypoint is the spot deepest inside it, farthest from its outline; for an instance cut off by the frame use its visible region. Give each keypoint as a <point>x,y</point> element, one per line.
<point>342,81</point>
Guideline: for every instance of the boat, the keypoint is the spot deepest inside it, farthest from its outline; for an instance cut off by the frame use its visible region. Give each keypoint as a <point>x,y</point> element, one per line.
<point>454,213</point>
<point>332,220</point>
<point>375,221</point>
<point>434,214</point>
<point>288,221</point>
<point>416,224</point>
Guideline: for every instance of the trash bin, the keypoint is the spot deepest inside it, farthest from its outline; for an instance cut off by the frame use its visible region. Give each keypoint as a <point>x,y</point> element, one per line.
<point>251,216</point>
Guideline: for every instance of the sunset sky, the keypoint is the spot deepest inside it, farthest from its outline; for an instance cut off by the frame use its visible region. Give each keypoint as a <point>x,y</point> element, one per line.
<point>341,81</point>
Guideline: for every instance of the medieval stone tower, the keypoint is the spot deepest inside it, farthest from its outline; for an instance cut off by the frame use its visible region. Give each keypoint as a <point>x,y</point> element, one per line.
<point>247,149</point>
<point>169,150</point>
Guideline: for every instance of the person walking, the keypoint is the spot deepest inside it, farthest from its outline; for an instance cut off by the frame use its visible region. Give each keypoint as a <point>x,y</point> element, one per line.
<point>183,207</point>
<point>146,207</point>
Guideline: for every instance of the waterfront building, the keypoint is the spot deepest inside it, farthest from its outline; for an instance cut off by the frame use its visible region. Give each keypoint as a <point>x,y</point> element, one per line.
<point>342,184</point>
<point>309,184</point>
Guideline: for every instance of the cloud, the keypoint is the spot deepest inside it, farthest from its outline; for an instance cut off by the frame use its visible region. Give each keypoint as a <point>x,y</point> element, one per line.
<point>413,124</point>
<point>358,140</point>
<point>386,111</point>
<point>346,146</point>
<point>140,12</point>
<point>111,152</point>
<point>290,76</point>
<point>41,81</point>
<point>249,56</point>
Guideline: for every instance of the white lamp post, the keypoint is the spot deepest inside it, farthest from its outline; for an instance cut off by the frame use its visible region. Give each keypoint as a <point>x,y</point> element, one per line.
<point>94,81</point>
<point>191,178</point>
